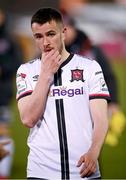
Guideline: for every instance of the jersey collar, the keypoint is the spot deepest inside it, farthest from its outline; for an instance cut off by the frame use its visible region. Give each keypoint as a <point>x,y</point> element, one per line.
<point>67,60</point>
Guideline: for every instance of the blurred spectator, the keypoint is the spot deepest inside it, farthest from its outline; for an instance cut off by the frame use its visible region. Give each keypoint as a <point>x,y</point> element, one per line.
<point>72,5</point>
<point>77,41</point>
<point>10,59</point>
<point>3,151</point>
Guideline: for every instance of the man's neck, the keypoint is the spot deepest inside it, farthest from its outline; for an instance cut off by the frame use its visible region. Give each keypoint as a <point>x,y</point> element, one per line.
<point>65,55</point>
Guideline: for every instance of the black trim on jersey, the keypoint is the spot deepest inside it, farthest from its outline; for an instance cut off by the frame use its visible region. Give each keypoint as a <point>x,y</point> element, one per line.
<point>100,97</point>
<point>64,157</point>
<point>67,60</point>
<point>63,140</point>
<point>57,78</point>
<point>23,95</point>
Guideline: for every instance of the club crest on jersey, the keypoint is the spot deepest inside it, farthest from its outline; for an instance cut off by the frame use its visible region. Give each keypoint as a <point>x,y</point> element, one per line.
<point>77,75</point>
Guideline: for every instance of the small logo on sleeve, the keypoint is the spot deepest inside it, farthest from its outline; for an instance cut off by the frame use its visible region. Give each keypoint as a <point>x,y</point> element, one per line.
<point>35,78</point>
<point>103,85</point>
<point>21,83</point>
<point>21,86</point>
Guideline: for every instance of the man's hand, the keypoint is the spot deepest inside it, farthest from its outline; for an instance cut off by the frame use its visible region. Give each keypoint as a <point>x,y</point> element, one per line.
<point>3,151</point>
<point>88,162</point>
<point>51,62</point>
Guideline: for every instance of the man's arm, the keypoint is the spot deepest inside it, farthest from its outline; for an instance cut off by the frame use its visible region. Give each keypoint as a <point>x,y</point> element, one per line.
<point>98,108</point>
<point>32,107</point>
<point>108,72</point>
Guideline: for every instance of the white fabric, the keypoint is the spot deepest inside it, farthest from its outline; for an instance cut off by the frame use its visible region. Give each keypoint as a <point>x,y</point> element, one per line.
<point>76,89</point>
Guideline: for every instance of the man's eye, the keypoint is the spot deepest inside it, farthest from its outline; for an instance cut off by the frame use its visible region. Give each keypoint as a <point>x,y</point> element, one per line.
<point>38,36</point>
<point>51,34</point>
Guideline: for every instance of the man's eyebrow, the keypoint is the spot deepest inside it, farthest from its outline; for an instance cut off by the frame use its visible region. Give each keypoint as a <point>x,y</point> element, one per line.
<point>37,34</point>
<point>50,31</point>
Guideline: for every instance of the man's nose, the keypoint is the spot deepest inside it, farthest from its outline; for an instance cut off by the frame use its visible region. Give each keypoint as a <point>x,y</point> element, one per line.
<point>45,41</point>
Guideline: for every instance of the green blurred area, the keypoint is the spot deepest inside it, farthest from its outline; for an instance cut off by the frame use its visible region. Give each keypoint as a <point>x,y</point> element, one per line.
<point>19,134</point>
<point>120,72</point>
<point>112,159</point>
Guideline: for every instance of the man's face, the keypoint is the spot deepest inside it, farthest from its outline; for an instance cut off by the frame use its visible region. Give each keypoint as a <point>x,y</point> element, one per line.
<point>48,36</point>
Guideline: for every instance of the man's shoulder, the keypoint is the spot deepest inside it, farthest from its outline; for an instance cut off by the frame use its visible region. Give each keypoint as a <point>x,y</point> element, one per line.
<point>29,65</point>
<point>84,59</point>
<point>86,62</point>
<point>31,62</point>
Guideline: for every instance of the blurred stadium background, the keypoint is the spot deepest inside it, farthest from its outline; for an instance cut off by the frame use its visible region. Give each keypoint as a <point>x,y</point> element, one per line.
<point>105,22</point>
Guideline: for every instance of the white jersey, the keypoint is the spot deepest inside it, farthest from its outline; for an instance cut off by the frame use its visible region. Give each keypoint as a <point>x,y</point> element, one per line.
<point>64,133</point>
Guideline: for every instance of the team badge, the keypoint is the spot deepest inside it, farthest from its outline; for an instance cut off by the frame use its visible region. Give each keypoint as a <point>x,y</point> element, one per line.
<point>77,75</point>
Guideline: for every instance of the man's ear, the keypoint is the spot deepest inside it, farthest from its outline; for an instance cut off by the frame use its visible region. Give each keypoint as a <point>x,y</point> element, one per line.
<point>64,29</point>
<point>64,32</point>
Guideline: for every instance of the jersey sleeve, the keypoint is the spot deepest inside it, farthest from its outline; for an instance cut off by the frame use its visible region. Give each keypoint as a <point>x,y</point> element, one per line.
<point>97,84</point>
<point>23,84</point>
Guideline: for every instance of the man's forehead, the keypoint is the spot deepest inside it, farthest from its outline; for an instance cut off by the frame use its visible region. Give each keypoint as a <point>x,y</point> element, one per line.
<point>46,27</point>
<point>48,23</point>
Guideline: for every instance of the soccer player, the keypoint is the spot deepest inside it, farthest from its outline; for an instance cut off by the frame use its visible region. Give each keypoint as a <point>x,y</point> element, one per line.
<point>62,98</point>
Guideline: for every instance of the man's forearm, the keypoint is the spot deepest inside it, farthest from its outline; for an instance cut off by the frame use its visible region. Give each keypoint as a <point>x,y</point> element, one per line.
<point>32,108</point>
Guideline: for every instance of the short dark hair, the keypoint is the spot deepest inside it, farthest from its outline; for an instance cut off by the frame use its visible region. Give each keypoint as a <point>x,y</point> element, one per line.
<point>44,15</point>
